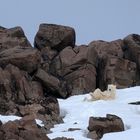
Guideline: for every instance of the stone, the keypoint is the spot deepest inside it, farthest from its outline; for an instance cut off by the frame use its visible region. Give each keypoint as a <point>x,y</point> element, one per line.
<point>23,96</point>
<point>27,59</point>
<point>98,126</point>
<point>13,37</point>
<point>78,67</point>
<point>51,84</point>
<point>57,37</point>
<point>132,51</point>
<point>24,129</point>
<point>118,71</point>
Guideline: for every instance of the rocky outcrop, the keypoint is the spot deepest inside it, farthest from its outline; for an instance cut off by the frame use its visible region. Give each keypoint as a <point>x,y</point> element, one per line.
<point>32,78</point>
<point>21,96</point>
<point>76,66</point>
<point>112,67</point>
<point>98,126</point>
<point>24,129</point>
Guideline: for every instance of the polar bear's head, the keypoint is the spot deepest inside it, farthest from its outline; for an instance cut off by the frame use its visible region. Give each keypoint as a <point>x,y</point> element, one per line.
<point>111,88</point>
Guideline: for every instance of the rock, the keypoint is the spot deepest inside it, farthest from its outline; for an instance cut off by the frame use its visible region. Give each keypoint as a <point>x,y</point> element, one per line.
<point>112,68</point>
<point>27,59</point>
<point>63,138</point>
<point>82,80</point>
<point>103,48</point>
<point>13,37</point>
<point>56,37</point>
<point>51,84</point>
<point>24,129</point>
<point>118,71</point>
<point>132,51</point>
<point>98,126</point>
<point>77,67</point>
<point>23,97</point>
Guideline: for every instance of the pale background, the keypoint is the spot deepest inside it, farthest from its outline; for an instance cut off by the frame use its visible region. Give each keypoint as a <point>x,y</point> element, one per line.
<point>91,19</point>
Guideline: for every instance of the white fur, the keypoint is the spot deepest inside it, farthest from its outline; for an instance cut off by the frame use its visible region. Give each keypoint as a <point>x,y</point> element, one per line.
<point>108,94</point>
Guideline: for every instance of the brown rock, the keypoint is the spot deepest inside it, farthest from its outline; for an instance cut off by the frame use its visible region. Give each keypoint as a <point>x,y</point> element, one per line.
<point>27,59</point>
<point>54,36</point>
<point>23,97</point>
<point>118,71</point>
<point>24,129</point>
<point>51,83</point>
<point>132,51</point>
<point>63,138</point>
<point>77,67</point>
<point>104,48</point>
<point>101,125</point>
<point>13,37</point>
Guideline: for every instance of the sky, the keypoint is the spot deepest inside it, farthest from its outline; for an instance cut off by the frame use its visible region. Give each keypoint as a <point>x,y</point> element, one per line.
<point>92,19</point>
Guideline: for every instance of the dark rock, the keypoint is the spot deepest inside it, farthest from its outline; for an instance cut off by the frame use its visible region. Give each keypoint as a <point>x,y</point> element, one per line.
<point>13,37</point>
<point>27,59</point>
<point>51,83</point>
<point>104,48</point>
<point>23,97</point>
<point>118,71</point>
<point>63,138</point>
<point>132,51</point>
<point>77,67</point>
<point>112,68</point>
<point>24,129</point>
<point>98,126</point>
<point>56,37</point>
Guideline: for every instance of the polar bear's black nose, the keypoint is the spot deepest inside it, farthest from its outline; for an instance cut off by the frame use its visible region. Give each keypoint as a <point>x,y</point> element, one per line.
<point>109,89</point>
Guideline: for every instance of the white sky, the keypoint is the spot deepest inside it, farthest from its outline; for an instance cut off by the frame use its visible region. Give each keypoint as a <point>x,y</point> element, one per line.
<point>91,19</point>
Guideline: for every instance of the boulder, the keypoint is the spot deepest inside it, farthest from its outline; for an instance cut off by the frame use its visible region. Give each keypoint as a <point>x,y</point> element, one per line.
<point>98,126</point>
<point>132,51</point>
<point>25,58</point>
<point>112,67</point>
<point>62,138</point>
<point>13,37</point>
<point>24,129</point>
<point>57,37</point>
<point>118,71</point>
<point>78,67</point>
<point>51,84</point>
<point>103,48</point>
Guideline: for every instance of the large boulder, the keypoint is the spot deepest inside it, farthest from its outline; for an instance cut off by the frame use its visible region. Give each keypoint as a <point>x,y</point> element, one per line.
<point>118,71</point>
<point>24,129</point>
<point>98,126</point>
<point>132,51</point>
<point>25,58</point>
<point>104,48</point>
<point>112,67</point>
<point>54,36</point>
<point>78,67</point>
<point>13,37</point>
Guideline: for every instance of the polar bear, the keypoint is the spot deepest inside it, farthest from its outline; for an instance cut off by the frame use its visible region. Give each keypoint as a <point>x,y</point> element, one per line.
<point>108,94</point>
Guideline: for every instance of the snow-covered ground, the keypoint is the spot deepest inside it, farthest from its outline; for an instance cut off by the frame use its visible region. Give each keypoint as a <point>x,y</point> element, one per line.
<point>76,113</point>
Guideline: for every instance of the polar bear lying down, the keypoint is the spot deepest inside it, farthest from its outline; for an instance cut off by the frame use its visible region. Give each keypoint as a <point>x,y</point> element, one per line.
<point>108,94</point>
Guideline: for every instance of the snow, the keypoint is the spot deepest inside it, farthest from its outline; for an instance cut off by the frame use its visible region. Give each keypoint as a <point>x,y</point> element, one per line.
<point>76,113</point>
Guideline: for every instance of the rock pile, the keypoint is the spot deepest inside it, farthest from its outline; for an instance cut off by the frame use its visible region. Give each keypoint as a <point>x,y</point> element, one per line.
<point>32,78</point>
